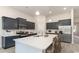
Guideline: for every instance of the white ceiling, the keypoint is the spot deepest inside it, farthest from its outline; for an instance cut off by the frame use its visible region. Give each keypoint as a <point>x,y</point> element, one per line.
<point>44,10</point>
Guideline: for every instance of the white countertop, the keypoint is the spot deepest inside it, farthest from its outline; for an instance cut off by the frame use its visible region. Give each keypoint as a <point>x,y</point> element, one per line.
<point>37,42</point>
<point>5,35</point>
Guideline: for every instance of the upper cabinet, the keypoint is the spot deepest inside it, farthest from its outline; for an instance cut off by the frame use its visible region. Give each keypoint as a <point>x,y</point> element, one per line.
<point>9,23</point>
<point>30,25</point>
<point>21,23</point>
<point>65,22</point>
<point>52,25</point>
<point>18,23</point>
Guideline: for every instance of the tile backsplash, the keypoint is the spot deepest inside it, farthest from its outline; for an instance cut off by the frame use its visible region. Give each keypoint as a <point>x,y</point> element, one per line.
<point>13,32</point>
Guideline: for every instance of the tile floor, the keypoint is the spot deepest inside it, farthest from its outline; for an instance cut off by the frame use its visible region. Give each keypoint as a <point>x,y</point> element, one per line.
<point>66,48</point>
<point>70,48</point>
<point>9,50</point>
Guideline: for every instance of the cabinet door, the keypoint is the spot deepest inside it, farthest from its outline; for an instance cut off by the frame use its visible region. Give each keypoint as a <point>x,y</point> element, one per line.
<point>66,38</point>
<point>27,25</point>
<point>8,41</point>
<point>30,25</point>
<point>9,23</point>
<point>21,23</point>
<point>33,25</point>
<point>52,25</point>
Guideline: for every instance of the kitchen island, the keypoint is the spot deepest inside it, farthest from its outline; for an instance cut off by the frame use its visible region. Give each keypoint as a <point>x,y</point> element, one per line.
<point>33,44</point>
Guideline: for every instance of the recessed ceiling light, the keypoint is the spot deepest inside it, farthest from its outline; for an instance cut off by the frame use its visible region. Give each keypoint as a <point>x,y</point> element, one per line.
<point>50,20</point>
<point>50,12</point>
<point>37,13</point>
<point>64,8</point>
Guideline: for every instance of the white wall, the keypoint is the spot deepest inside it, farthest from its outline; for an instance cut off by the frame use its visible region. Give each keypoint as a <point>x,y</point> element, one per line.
<point>76,27</point>
<point>40,24</point>
<point>10,12</point>
<point>58,17</point>
<point>76,22</point>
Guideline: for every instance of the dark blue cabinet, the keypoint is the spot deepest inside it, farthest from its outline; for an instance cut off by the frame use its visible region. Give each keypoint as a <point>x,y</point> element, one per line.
<point>21,23</point>
<point>30,25</point>
<point>65,22</point>
<point>8,41</point>
<point>9,23</point>
<point>18,23</point>
<point>52,25</point>
<point>66,38</point>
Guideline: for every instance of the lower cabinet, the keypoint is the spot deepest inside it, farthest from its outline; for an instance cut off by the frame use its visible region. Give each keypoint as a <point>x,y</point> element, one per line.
<point>8,41</point>
<point>66,38</point>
